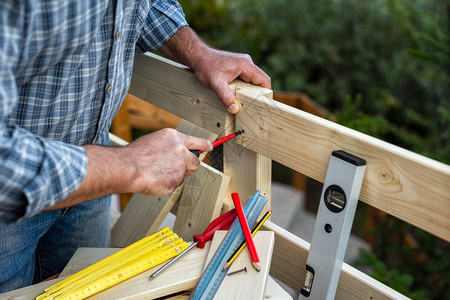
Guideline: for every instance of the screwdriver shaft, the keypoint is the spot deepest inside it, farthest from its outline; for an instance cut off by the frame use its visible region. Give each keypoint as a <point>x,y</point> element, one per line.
<point>173,260</point>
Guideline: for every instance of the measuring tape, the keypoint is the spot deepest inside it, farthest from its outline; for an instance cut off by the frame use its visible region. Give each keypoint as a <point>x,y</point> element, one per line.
<point>214,273</point>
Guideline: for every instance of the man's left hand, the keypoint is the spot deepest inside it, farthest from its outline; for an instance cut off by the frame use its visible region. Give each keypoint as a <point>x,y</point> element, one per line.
<point>218,68</point>
<point>214,68</point>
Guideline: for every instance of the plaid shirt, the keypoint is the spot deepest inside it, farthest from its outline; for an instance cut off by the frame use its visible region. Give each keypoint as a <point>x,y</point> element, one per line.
<point>65,67</point>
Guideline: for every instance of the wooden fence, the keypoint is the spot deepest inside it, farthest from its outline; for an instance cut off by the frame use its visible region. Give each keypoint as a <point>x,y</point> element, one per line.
<point>399,182</point>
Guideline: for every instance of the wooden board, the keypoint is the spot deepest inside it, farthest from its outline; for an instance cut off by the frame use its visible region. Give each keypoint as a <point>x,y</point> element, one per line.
<point>288,265</point>
<point>402,183</point>
<point>144,214</point>
<point>250,284</point>
<point>249,171</point>
<point>201,201</point>
<point>144,115</point>
<point>273,292</point>
<point>173,87</point>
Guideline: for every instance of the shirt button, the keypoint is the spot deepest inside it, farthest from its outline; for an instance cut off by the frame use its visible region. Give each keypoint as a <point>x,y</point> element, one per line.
<point>118,34</point>
<point>109,89</point>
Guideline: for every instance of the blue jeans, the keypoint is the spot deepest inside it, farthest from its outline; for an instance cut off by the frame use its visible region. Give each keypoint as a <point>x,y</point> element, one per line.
<point>40,247</point>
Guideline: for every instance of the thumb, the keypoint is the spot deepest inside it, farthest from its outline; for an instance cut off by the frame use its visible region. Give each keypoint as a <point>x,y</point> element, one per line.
<point>196,143</point>
<point>227,97</point>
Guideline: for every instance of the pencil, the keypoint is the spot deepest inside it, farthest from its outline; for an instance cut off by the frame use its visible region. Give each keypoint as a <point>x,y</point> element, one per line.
<point>246,230</point>
<point>242,246</point>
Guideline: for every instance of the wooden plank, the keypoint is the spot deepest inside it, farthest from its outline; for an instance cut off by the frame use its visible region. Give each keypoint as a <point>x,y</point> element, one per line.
<point>404,184</point>
<point>144,214</point>
<point>274,291</point>
<point>173,87</point>
<point>303,102</point>
<point>250,284</point>
<point>142,114</point>
<point>249,171</point>
<point>201,201</point>
<point>288,265</point>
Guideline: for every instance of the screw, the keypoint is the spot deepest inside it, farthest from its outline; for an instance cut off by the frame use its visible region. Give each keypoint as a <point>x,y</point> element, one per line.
<point>238,271</point>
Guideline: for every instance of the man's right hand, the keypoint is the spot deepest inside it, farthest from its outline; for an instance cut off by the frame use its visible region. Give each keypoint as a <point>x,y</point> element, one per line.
<point>162,159</point>
<point>154,164</point>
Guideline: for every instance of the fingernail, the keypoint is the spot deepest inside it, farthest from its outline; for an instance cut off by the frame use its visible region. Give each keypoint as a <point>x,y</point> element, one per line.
<point>233,108</point>
<point>210,145</point>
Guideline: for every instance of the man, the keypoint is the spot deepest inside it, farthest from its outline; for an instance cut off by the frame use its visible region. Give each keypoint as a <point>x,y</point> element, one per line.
<point>65,67</point>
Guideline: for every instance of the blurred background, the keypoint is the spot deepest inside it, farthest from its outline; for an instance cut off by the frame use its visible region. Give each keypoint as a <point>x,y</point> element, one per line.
<point>381,67</point>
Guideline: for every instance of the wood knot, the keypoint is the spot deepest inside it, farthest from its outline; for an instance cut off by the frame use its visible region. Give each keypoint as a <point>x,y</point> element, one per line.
<point>385,176</point>
<point>196,101</point>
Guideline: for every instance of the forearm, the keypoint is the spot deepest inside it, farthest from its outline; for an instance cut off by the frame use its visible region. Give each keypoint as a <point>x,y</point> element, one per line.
<point>154,164</point>
<point>107,173</point>
<point>185,47</point>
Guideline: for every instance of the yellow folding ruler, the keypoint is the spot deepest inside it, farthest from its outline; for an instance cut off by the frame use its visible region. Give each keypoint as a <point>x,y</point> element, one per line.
<point>128,262</point>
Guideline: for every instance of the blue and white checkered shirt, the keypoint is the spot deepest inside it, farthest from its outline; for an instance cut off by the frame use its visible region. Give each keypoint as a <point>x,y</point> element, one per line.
<point>65,67</point>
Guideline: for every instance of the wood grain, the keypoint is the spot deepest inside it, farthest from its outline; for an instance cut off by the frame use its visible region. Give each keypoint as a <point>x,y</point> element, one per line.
<point>250,284</point>
<point>173,87</point>
<point>249,171</point>
<point>201,201</point>
<point>409,186</point>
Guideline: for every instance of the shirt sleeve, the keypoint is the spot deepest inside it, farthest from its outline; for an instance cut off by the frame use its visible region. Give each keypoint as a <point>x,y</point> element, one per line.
<point>35,172</point>
<point>164,18</point>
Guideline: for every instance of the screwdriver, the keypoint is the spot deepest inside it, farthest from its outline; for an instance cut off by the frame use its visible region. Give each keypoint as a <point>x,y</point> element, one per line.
<point>223,222</point>
<point>220,141</point>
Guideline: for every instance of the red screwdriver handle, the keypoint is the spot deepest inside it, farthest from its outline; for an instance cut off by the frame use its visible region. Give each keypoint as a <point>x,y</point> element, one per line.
<point>223,140</point>
<point>221,223</point>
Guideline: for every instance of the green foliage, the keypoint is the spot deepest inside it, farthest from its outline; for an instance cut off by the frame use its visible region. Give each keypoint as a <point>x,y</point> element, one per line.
<point>399,281</point>
<point>400,260</point>
<point>393,54</point>
<point>383,68</point>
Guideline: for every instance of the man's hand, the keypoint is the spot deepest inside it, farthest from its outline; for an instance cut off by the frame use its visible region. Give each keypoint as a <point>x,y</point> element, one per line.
<point>154,164</point>
<point>214,68</point>
<point>161,160</point>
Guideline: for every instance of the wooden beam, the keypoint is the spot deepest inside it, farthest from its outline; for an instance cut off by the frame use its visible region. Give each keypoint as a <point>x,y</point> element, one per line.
<point>144,214</point>
<point>288,265</point>
<point>249,171</point>
<point>402,183</point>
<point>144,115</point>
<point>406,185</point>
<point>173,87</point>
<point>201,201</point>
